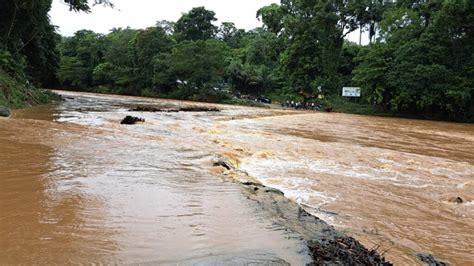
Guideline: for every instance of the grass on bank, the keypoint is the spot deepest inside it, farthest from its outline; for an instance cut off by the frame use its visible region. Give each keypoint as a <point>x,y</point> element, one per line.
<point>338,103</point>
<point>15,94</point>
<point>352,106</point>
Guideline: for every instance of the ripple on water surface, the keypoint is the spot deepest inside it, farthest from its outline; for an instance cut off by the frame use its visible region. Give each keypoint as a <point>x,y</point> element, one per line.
<point>110,193</point>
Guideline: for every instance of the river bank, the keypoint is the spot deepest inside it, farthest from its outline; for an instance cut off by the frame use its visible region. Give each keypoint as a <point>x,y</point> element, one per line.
<point>15,94</point>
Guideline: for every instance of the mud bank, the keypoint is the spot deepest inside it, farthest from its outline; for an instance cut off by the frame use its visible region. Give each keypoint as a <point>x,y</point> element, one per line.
<point>326,245</point>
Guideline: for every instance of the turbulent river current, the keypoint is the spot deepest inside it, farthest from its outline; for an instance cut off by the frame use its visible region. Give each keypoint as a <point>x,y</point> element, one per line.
<point>76,186</point>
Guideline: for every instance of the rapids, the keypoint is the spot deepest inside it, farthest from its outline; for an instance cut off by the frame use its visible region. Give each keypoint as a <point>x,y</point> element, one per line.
<point>78,187</point>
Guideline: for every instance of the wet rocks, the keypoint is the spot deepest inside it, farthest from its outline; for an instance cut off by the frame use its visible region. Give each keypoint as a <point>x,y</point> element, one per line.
<point>454,199</point>
<point>223,163</point>
<point>175,110</point>
<point>325,245</point>
<point>344,250</point>
<point>199,109</point>
<point>146,109</point>
<point>5,111</point>
<point>274,190</point>
<point>457,200</point>
<point>250,183</point>
<point>131,120</point>
<point>430,260</point>
<point>228,161</point>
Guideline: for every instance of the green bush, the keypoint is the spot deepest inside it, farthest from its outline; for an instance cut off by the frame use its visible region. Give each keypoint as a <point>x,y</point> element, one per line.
<point>17,94</point>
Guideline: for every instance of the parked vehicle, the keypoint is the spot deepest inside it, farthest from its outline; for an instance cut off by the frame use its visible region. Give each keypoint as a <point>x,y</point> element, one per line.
<point>264,99</point>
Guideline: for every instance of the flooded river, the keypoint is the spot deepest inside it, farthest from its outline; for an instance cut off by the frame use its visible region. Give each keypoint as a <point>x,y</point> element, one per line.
<point>78,187</point>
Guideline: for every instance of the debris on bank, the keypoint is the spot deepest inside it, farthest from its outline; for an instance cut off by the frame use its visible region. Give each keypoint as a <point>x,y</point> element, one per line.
<point>343,249</point>
<point>325,244</point>
<point>175,110</point>
<point>430,260</point>
<point>131,120</point>
<point>146,109</point>
<point>199,109</point>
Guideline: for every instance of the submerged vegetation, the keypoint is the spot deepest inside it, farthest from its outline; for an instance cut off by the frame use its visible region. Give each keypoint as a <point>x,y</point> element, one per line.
<point>419,61</point>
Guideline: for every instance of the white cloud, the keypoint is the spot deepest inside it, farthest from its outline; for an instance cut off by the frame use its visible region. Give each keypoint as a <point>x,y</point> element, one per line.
<point>145,13</point>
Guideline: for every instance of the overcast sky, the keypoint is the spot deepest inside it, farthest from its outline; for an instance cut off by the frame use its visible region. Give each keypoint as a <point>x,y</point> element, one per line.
<point>145,13</point>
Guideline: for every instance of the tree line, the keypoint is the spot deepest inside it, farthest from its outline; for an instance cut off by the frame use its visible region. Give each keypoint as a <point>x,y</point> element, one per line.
<point>419,59</point>
<point>187,59</point>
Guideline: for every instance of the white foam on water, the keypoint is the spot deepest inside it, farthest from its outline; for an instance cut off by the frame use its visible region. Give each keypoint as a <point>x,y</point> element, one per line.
<point>275,173</point>
<point>469,204</point>
<point>386,161</point>
<point>451,173</point>
<point>462,185</point>
<point>298,178</point>
<point>85,119</point>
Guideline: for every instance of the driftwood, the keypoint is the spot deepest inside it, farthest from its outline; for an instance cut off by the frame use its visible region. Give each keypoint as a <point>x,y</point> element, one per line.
<point>175,110</point>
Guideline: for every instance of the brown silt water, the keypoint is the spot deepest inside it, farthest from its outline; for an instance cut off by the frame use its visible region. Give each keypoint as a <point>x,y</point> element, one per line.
<point>76,186</point>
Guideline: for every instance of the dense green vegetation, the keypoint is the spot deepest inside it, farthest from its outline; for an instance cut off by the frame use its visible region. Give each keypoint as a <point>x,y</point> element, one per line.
<point>29,57</point>
<point>424,62</point>
<point>190,59</point>
<point>419,61</point>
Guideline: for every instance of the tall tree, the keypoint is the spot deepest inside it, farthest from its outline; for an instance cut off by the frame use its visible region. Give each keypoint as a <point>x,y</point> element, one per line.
<point>149,43</point>
<point>272,17</point>
<point>228,33</point>
<point>253,68</point>
<point>424,64</point>
<point>315,30</point>
<point>29,39</point>
<point>80,55</point>
<point>167,26</point>
<point>196,25</point>
<point>198,63</point>
<point>85,5</point>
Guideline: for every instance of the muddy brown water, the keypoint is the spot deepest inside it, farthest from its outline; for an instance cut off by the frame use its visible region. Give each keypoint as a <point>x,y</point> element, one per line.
<point>78,187</point>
